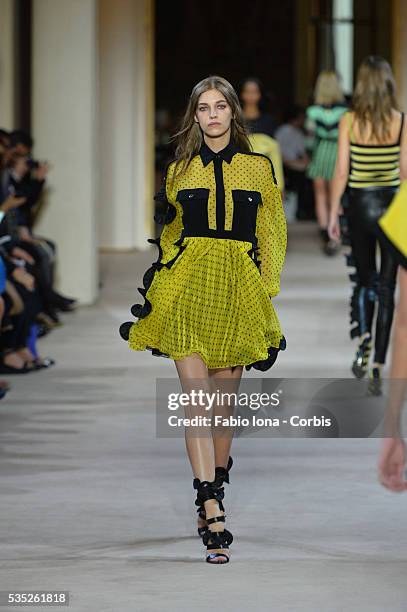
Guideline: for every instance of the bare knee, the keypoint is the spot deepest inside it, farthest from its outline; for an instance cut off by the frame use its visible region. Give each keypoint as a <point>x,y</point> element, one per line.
<point>191,367</point>
<point>320,186</point>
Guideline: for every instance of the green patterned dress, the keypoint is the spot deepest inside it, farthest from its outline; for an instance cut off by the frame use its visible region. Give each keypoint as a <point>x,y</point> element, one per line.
<point>323,122</point>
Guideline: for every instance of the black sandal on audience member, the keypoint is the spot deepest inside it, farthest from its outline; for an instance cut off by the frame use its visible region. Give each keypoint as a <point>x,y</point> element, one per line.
<point>46,321</point>
<point>52,314</point>
<point>16,360</point>
<point>6,369</point>
<point>68,307</point>
<point>64,304</point>
<point>41,363</point>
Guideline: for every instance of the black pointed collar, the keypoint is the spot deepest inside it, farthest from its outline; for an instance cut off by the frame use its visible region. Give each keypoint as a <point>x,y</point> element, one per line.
<point>207,155</point>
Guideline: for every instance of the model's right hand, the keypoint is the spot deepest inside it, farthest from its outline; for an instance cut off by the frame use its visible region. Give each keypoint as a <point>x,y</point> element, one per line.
<point>334,230</point>
<point>391,465</point>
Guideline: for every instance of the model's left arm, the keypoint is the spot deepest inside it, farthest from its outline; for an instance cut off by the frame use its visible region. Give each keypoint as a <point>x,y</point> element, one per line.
<point>271,231</point>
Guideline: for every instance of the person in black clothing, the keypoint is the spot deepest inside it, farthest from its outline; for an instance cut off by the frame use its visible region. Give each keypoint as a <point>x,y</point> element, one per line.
<point>26,177</point>
<point>253,102</point>
<point>20,297</point>
<point>292,140</point>
<point>28,301</point>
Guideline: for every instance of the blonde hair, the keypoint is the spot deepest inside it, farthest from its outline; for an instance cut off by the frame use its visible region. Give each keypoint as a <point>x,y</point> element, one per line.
<point>328,89</point>
<point>374,97</point>
<point>189,137</point>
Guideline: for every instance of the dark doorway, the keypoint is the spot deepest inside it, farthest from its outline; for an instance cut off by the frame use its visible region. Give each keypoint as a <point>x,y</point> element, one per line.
<point>232,38</point>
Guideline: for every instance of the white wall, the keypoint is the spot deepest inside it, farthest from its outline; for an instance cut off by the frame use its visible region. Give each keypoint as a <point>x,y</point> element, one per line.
<point>64,125</point>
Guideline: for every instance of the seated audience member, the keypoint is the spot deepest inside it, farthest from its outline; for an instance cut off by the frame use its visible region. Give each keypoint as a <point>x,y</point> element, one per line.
<point>26,177</point>
<point>28,302</point>
<point>292,140</point>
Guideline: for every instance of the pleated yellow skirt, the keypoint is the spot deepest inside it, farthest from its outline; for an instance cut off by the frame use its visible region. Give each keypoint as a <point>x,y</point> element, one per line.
<point>212,301</point>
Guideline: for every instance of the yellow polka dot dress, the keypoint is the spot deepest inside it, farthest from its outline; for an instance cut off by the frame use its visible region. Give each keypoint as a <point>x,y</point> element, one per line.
<point>220,256</point>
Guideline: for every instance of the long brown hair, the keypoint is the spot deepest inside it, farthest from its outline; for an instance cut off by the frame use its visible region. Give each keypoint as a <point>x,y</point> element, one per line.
<point>374,97</point>
<point>189,137</point>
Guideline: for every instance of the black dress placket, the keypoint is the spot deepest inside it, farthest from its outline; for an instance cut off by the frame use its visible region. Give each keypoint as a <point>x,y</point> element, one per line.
<point>220,193</point>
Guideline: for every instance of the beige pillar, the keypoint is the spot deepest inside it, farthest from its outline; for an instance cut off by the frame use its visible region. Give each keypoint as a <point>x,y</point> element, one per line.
<point>399,51</point>
<point>7,59</point>
<point>64,127</point>
<point>126,128</point>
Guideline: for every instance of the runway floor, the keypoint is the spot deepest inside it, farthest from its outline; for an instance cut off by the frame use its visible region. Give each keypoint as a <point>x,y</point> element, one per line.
<point>92,502</point>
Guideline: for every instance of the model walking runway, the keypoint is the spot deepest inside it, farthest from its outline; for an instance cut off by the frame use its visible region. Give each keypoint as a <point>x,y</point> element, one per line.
<point>208,296</point>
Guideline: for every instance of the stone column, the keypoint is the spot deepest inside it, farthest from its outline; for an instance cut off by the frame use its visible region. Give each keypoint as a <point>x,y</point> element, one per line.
<point>126,123</point>
<point>64,126</point>
<point>7,64</point>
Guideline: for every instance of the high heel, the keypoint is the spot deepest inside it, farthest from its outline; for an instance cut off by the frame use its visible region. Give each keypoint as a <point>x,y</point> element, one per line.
<point>215,541</point>
<point>375,381</point>
<point>360,363</point>
<point>221,476</point>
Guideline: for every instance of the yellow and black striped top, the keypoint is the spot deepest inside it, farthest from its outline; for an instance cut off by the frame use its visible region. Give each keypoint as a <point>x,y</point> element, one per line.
<point>374,165</point>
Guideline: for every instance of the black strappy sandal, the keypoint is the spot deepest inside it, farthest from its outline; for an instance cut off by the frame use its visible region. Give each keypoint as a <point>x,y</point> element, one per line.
<point>214,540</point>
<point>360,363</point>
<point>221,476</point>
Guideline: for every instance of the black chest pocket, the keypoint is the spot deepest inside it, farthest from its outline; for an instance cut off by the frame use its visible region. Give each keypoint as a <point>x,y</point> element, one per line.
<point>245,205</point>
<point>194,204</point>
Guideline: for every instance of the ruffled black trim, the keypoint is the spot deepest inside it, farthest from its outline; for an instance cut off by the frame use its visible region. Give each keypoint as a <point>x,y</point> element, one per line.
<point>124,329</point>
<point>265,364</point>
<point>141,311</point>
<point>261,365</point>
<point>157,352</point>
<point>163,218</point>
<point>170,212</point>
<point>253,253</point>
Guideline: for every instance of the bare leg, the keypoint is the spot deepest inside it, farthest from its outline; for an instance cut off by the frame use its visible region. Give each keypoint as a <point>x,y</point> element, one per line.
<point>321,201</point>
<point>226,381</point>
<point>398,368</point>
<point>399,356</point>
<point>392,459</point>
<point>193,375</point>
